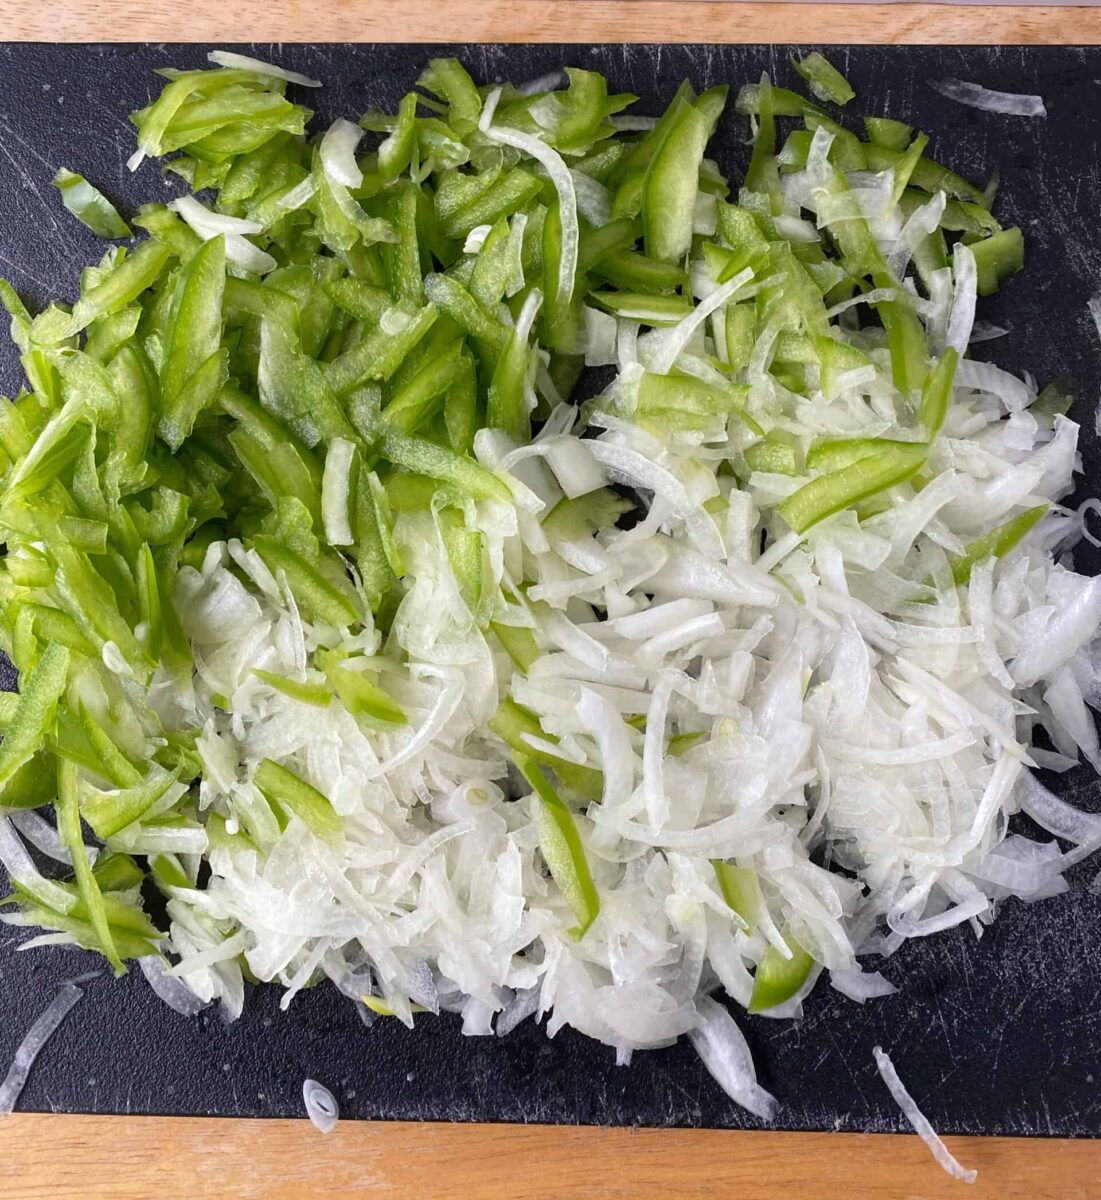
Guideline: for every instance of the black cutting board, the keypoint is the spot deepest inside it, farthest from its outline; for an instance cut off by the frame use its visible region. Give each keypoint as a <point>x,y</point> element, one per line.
<point>997,1036</point>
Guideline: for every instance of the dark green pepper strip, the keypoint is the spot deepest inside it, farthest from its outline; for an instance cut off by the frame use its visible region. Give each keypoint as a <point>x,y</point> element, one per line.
<point>376,554</point>
<point>292,793</point>
<point>511,722</point>
<point>776,458</point>
<point>741,333</point>
<point>828,494</point>
<point>139,270</point>
<point>34,714</point>
<point>907,342</point>
<point>597,245</point>
<point>761,174</point>
<point>1057,398</point>
<point>907,165</point>
<point>109,813</point>
<point>322,599</point>
<point>135,380</point>
<point>648,309</point>
<point>360,299</point>
<point>937,393</point>
<point>194,367</point>
<point>514,190</point>
<point>930,176</point>
<point>741,890</point>
<point>561,847</point>
<point>88,598</point>
<point>824,79</point>
<point>997,258</point>
<point>465,553</point>
<point>777,978</point>
<point>995,544</point>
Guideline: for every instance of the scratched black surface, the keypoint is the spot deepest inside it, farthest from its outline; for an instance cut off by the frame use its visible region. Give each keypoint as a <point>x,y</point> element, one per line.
<point>997,1036</point>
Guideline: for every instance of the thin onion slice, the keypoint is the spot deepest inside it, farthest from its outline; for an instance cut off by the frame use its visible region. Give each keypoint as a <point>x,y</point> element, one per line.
<point>918,1120</point>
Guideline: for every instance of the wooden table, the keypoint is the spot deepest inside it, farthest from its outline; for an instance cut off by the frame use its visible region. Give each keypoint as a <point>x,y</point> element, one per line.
<point>135,1158</point>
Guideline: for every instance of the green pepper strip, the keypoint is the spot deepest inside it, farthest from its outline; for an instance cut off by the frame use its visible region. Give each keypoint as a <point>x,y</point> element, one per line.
<point>937,393</point>
<point>512,721</point>
<point>289,791</point>
<point>363,699</point>
<point>416,401</point>
<point>519,643</point>
<point>68,821</point>
<point>997,543</point>
<point>562,849</point>
<point>824,79</point>
<point>380,353</point>
<point>997,258</point>
<point>322,599</point>
<point>89,205</point>
<point>828,494</point>
<point>670,187</point>
<point>317,694</point>
<point>777,978</point>
<point>110,812</point>
<point>741,889</point>
<point>35,711</point>
<point>426,458</point>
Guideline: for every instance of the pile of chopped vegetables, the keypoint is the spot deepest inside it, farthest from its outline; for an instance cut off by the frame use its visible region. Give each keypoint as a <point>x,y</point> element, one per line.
<point>341,628</point>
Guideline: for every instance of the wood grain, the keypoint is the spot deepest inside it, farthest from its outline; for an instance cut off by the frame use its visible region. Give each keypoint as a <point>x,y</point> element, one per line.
<point>539,21</point>
<point>134,1158</point>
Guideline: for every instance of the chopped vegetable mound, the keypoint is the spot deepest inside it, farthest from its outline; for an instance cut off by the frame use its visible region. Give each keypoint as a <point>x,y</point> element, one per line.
<point>341,625</point>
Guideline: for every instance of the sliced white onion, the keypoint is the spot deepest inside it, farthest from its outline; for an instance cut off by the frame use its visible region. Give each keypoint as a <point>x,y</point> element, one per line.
<point>174,992</point>
<point>722,1048</point>
<point>338,153</point>
<point>31,1046</point>
<point>242,62</point>
<point>918,1120</point>
<point>563,183</point>
<point>975,96</point>
<point>209,224</point>
<point>321,1105</point>
<point>336,491</point>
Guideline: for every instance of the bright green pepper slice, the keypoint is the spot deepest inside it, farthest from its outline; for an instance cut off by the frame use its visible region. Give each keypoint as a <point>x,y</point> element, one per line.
<point>828,494</point>
<point>291,793</point>
<point>997,543</point>
<point>562,849</point>
<point>777,978</point>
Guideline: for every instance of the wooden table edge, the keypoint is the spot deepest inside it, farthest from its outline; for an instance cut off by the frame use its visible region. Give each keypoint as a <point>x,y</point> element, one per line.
<point>542,20</point>
<point>179,1158</point>
<point>59,1157</point>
